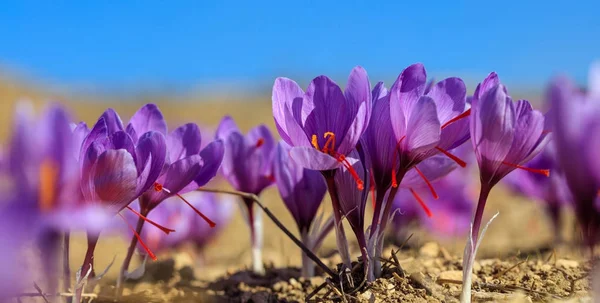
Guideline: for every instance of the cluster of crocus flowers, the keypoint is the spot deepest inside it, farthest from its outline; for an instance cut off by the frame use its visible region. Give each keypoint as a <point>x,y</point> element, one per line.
<point>59,176</point>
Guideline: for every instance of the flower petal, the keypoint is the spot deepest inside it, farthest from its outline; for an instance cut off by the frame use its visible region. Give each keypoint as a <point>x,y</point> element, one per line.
<point>286,92</point>
<point>529,127</point>
<point>212,157</point>
<point>433,168</point>
<point>150,159</point>
<point>179,175</point>
<point>358,95</point>
<point>226,127</point>
<point>147,118</point>
<point>450,98</point>
<point>311,158</point>
<point>184,141</point>
<point>423,127</point>
<point>408,88</point>
<point>112,120</point>
<point>114,178</point>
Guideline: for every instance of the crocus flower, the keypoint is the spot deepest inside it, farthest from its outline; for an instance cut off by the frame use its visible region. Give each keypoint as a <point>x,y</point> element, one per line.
<point>43,170</point>
<point>553,191</point>
<point>302,190</point>
<point>576,139</point>
<point>15,233</point>
<point>247,165</point>
<point>505,135</point>
<point>187,167</point>
<point>323,124</point>
<point>117,166</point>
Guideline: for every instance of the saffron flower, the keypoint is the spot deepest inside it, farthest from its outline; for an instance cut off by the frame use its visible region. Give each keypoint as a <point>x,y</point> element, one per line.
<point>323,125</point>
<point>187,167</point>
<point>302,190</point>
<point>505,136</point>
<point>247,166</point>
<point>576,140</point>
<point>117,166</point>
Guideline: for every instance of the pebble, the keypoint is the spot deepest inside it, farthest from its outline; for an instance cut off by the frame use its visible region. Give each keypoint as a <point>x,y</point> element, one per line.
<point>279,286</point>
<point>430,249</point>
<point>295,284</point>
<point>567,263</point>
<point>366,295</point>
<point>451,275</point>
<point>183,259</point>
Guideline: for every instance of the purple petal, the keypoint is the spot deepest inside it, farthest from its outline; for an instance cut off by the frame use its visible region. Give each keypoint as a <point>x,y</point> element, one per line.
<point>98,132</point>
<point>212,157</point>
<point>184,141</point>
<point>286,92</point>
<point>358,93</point>
<point>488,83</point>
<point>329,111</point>
<point>492,129</point>
<point>80,132</point>
<point>114,178</point>
<point>302,190</point>
<point>179,174</point>
<point>450,98</point>
<point>528,130</point>
<point>112,120</point>
<point>408,88</point>
<point>353,200</point>
<point>121,140</point>
<point>423,127</point>
<point>311,158</point>
<point>261,136</point>
<point>226,127</point>
<point>150,155</point>
<point>147,118</point>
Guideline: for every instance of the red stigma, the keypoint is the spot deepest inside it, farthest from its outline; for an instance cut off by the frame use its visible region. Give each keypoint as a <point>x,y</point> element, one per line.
<point>271,178</point>
<point>545,172</point>
<point>454,158</point>
<point>394,159</point>
<point>203,216</point>
<point>433,193</point>
<point>260,142</point>
<point>329,148</point>
<point>162,228</point>
<point>463,115</point>
<point>423,205</point>
<point>158,187</point>
<point>372,187</point>
<point>137,236</point>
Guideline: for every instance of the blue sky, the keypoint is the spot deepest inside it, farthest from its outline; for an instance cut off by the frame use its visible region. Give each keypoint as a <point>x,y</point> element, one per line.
<point>188,43</point>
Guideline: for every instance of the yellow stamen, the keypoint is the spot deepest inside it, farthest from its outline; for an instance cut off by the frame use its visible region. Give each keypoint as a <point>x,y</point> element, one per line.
<point>314,142</point>
<point>330,143</point>
<point>47,189</point>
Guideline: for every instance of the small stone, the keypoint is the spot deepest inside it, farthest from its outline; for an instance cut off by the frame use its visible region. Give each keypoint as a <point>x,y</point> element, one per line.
<point>279,286</point>
<point>567,263</point>
<point>546,267</point>
<point>183,259</point>
<point>295,284</point>
<point>476,266</point>
<point>390,286</point>
<point>366,295</point>
<point>456,275</point>
<point>430,249</point>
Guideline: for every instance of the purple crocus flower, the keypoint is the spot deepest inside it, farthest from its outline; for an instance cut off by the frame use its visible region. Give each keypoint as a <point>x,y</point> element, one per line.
<point>117,166</point>
<point>324,123</point>
<point>302,190</point>
<point>505,135</point>
<point>247,165</point>
<point>187,167</point>
<point>577,139</point>
<point>424,122</point>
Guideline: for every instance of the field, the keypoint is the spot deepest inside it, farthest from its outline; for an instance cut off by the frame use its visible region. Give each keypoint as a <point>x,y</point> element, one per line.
<point>518,260</point>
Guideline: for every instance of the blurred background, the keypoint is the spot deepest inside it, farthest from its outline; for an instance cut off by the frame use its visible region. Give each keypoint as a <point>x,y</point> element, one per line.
<point>200,60</point>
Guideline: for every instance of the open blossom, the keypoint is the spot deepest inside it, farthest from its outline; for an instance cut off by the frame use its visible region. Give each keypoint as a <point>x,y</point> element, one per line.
<point>577,139</point>
<point>324,123</point>
<point>427,122</point>
<point>505,134</point>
